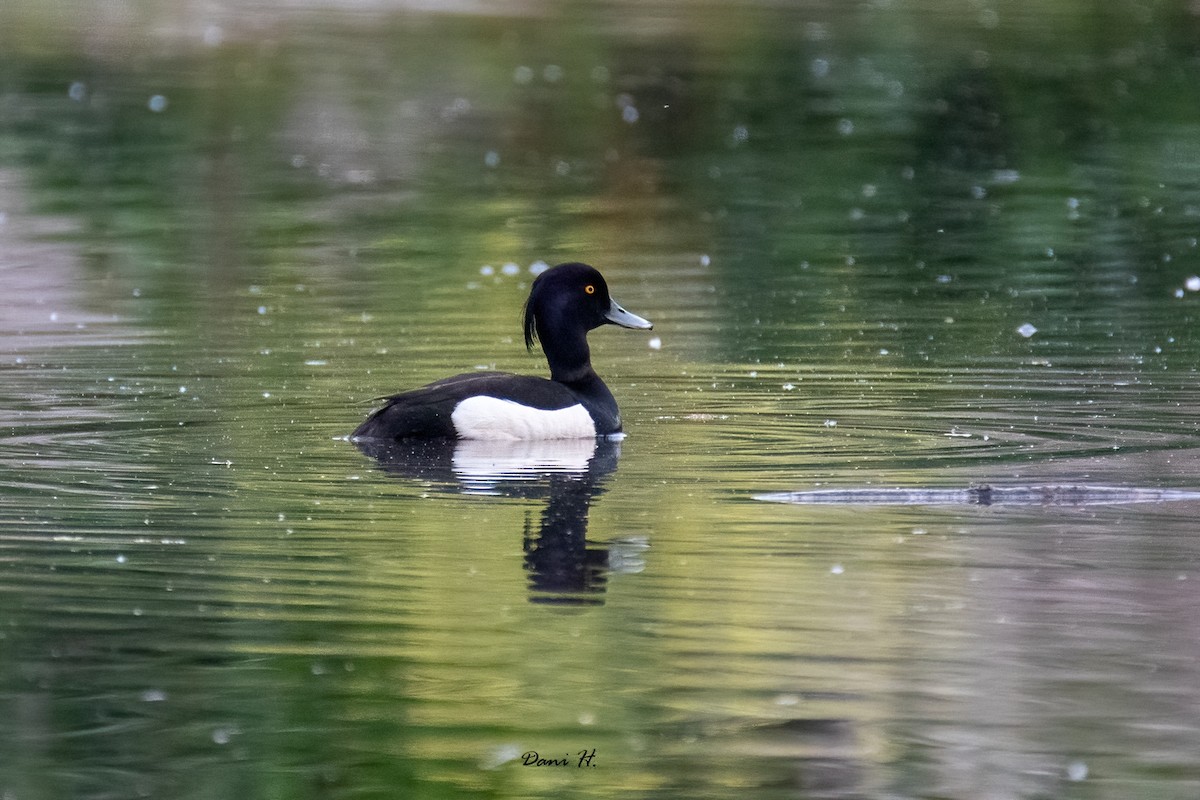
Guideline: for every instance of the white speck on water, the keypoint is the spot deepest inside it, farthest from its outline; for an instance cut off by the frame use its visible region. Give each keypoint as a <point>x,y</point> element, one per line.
<point>705,260</point>
<point>54,316</point>
<point>213,35</point>
<point>1072,203</point>
<point>157,103</point>
<point>487,269</point>
<point>630,114</point>
<point>491,158</point>
<point>819,67</point>
<point>222,735</point>
<point>836,569</point>
<point>1179,292</point>
<point>153,696</point>
<point>918,531</point>
<point>1049,252</point>
<point>883,351</point>
<point>266,394</point>
<point>315,362</point>
<point>845,126</point>
<point>77,91</point>
<point>262,310</point>
<point>522,74</point>
<point>740,134</point>
<point>1193,284</point>
<point>1003,176</point>
<point>787,387</point>
<point>943,278</point>
<point>538,267</point>
<point>869,190</point>
<point>499,756</point>
<point>511,269</point>
<point>299,160</point>
<point>1027,330</point>
<point>121,559</point>
<point>562,169</point>
<point>183,390</point>
<point>978,192</point>
<point>1077,771</point>
<point>830,423</point>
<point>655,343</point>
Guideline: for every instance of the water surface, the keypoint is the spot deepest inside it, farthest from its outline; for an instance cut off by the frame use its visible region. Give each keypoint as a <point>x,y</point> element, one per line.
<point>891,246</point>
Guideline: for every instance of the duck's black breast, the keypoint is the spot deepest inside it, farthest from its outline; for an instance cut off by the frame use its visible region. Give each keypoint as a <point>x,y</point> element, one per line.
<point>489,405</point>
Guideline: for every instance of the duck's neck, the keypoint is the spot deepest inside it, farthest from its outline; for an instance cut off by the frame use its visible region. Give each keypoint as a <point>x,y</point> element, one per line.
<point>571,365</point>
<point>569,357</point>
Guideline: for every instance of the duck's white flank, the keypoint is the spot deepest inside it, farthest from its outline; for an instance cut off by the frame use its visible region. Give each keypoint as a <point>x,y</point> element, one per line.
<point>483,417</point>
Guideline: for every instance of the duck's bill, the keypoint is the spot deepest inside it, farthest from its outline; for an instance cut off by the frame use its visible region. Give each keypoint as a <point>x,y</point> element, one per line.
<point>619,316</point>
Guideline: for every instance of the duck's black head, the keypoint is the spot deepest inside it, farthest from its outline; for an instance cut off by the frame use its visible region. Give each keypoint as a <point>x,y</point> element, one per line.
<point>565,302</point>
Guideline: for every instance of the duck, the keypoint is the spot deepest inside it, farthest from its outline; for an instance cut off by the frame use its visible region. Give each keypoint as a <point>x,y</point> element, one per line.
<point>565,303</point>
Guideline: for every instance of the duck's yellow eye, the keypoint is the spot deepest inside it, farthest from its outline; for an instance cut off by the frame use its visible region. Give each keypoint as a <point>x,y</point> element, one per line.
<point>590,289</point>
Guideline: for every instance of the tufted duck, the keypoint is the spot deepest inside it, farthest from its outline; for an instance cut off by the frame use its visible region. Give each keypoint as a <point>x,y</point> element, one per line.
<point>565,302</point>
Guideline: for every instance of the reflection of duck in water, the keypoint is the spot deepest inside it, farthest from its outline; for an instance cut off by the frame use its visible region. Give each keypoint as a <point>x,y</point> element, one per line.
<point>500,468</point>
<point>564,303</point>
<point>563,566</point>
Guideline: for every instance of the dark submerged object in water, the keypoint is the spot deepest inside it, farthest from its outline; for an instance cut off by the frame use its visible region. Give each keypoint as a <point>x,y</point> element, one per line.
<point>983,494</point>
